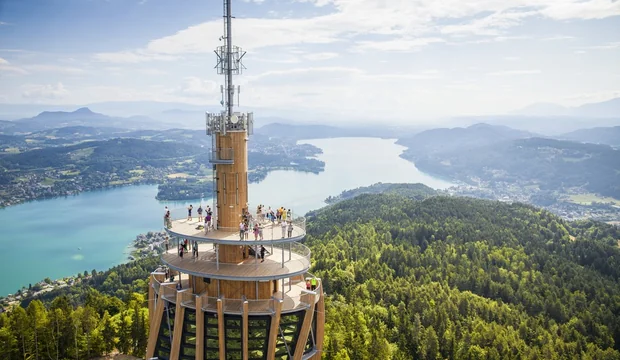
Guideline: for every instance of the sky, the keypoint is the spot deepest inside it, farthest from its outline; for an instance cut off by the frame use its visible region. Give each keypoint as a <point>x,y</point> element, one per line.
<point>393,59</point>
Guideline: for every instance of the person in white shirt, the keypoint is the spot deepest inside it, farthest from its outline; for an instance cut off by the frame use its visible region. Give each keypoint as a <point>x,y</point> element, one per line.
<point>283,223</point>
<point>241,230</point>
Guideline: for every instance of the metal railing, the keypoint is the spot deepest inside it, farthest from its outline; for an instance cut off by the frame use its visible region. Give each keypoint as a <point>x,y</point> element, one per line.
<point>222,155</point>
<point>271,229</point>
<point>293,255</point>
<point>235,306</point>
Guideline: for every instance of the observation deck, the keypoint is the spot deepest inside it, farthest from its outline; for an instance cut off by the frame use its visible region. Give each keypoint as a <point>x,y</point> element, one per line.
<point>181,227</point>
<point>293,298</point>
<point>281,261</point>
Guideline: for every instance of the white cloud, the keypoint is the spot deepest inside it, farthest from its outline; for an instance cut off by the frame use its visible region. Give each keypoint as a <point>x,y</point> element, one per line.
<point>608,46</point>
<point>320,56</point>
<point>558,37</point>
<point>65,70</point>
<point>398,45</point>
<point>6,67</point>
<point>592,9</point>
<point>44,92</point>
<point>489,25</point>
<point>514,72</point>
<point>410,23</point>
<point>195,87</point>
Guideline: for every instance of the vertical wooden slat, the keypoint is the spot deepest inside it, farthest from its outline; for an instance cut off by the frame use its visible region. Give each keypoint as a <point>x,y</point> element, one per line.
<point>320,323</point>
<point>178,327</point>
<point>220,329</point>
<point>307,298</point>
<point>273,331</point>
<point>200,330</point>
<point>245,329</point>
<point>151,299</point>
<point>154,329</point>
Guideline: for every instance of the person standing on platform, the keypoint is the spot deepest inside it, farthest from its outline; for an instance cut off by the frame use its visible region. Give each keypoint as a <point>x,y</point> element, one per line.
<point>262,253</point>
<point>313,283</point>
<point>283,224</point>
<point>290,228</point>
<point>260,231</point>
<point>255,230</point>
<point>241,230</point>
<point>189,212</point>
<point>166,243</point>
<point>199,211</point>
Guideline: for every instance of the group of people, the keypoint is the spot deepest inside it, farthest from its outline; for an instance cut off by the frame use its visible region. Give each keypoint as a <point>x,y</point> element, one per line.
<point>279,215</point>
<point>185,246</point>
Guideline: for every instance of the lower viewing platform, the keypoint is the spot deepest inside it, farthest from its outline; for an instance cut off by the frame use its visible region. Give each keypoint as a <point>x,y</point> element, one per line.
<point>291,297</point>
<point>284,260</point>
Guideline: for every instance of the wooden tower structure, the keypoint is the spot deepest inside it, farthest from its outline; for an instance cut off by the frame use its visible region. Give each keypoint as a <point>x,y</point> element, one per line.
<point>221,293</point>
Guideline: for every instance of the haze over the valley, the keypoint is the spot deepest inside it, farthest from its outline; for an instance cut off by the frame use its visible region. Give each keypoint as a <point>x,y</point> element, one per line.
<point>328,61</point>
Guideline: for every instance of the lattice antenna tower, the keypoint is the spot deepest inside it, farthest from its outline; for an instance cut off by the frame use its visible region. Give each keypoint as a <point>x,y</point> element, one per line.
<point>229,62</point>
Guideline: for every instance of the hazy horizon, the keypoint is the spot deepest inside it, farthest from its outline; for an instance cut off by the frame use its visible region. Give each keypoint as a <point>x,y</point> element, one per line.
<point>329,57</point>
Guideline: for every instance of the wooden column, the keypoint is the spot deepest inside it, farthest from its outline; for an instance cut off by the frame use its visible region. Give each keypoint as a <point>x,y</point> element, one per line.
<point>307,298</point>
<point>151,299</point>
<point>178,326</point>
<point>245,329</point>
<point>200,330</point>
<point>154,329</point>
<point>320,324</point>
<point>220,329</point>
<point>273,331</point>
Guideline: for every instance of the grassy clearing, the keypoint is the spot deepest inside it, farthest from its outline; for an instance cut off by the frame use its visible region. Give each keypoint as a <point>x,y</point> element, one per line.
<point>178,175</point>
<point>49,181</point>
<point>70,172</point>
<point>136,172</point>
<point>81,153</point>
<point>588,199</point>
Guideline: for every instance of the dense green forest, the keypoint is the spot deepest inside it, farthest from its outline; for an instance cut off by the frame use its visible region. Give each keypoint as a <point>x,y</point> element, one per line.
<point>466,279</point>
<point>551,164</point>
<point>106,311</point>
<point>438,278</point>
<point>414,191</point>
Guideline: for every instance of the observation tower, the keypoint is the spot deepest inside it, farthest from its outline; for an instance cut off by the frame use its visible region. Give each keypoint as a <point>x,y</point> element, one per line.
<point>226,295</point>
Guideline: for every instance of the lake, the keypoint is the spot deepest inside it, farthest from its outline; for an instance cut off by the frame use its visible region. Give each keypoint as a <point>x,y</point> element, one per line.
<point>63,236</point>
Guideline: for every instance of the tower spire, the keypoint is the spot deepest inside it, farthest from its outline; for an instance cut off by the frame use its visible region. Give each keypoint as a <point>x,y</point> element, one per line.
<point>229,62</point>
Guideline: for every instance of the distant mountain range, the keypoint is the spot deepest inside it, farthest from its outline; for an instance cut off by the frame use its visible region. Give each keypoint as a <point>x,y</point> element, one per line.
<point>445,140</point>
<point>599,135</point>
<point>605,109</point>
<point>80,117</point>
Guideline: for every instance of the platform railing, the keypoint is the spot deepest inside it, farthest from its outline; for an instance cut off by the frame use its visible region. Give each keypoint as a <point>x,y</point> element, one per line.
<point>292,255</point>
<point>222,155</point>
<point>235,306</point>
<point>298,221</point>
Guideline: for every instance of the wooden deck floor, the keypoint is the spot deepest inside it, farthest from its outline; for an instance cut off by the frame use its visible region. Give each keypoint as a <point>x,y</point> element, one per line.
<point>205,265</point>
<point>271,233</point>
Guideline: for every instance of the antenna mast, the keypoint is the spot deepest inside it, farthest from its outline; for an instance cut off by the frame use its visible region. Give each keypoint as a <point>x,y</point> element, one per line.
<point>229,131</point>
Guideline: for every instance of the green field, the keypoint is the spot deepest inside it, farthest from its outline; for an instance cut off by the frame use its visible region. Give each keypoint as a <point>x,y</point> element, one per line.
<point>588,199</point>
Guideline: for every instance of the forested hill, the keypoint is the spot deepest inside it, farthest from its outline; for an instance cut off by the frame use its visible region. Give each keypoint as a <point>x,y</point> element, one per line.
<point>415,191</point>
<point>550,164</point>
<point>464,278</point>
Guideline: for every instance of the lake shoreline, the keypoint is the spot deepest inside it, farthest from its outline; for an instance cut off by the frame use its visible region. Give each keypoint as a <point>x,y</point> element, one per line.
<point>103,222</point>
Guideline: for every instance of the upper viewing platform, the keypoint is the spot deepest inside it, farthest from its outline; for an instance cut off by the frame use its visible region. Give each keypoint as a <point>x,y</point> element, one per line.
<point>269,232</point>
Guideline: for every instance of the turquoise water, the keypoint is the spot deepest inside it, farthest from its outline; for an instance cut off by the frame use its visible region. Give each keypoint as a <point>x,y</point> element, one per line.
<point>63,236</point>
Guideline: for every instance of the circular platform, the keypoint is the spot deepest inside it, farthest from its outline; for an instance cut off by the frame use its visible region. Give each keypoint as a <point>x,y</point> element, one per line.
<point>272,232</point>
<point>295,263</point>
